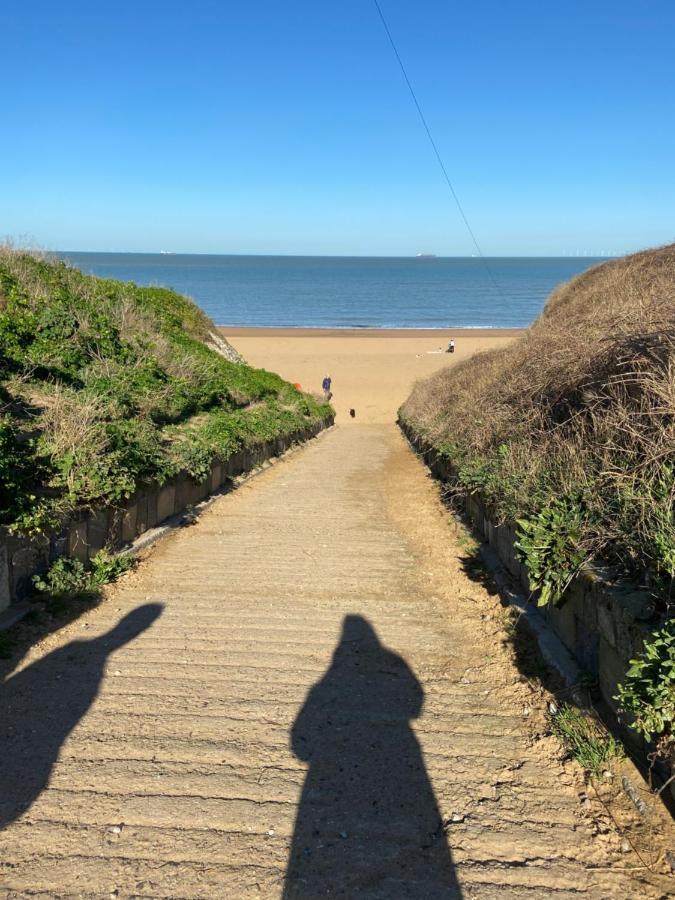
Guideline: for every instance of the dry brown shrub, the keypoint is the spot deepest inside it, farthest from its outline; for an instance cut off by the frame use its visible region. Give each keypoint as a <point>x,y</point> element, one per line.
<point>584,399</point>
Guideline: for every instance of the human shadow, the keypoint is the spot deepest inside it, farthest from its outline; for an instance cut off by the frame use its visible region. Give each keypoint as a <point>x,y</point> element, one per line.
<point>41,704</point>
<point>368,824</point>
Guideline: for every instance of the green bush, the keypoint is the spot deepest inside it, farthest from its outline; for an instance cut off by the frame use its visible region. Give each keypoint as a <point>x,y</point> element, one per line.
<point>550,546</point>
<point>68,577</point>
<point>647,694</point>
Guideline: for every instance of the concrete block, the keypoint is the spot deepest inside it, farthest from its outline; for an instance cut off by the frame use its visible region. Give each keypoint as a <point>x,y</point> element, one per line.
<point>129,522</point>
<point>184,496</point>
<point>203,489</point>
<point>28,559</point>
<point>564,624</point>
<point>586,648</point>
<point>58,546</point>
<point>235,464</point>
<point>115,518</point>
<point>141,511</point>
<point>606,620</point>
<point>77,541</point>
<point>215,478</point>
<point>582,594</point>
<point>166,503</point>
<point>97,531</point>
<point>611,671</point>
<point>152,512</point>
<point>5,596</point>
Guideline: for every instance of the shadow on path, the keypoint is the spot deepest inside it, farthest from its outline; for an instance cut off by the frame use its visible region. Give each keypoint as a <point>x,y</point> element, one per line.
<point>41,704</point>
<point>368,824</point>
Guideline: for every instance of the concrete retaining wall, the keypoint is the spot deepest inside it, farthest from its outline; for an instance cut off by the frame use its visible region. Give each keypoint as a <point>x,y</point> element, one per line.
<point>602,621</point>
<point>85,534</point>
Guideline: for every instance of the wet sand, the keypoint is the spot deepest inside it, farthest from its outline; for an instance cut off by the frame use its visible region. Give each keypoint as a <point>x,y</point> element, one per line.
<point>373,370</point>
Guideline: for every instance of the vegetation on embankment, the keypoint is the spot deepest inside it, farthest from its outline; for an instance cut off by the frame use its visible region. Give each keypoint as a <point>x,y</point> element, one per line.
<point>570,431</point>
<point>105,384</point>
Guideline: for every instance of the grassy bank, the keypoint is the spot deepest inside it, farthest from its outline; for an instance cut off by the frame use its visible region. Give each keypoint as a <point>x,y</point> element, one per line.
<point>570,431</point>
<point>105,384</point>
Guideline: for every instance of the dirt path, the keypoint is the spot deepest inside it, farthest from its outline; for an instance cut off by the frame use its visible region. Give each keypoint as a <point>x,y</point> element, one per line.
<point>321,707</point>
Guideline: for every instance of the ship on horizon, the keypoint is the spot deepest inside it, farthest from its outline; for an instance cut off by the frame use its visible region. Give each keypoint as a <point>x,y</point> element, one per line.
<point>425,256</point>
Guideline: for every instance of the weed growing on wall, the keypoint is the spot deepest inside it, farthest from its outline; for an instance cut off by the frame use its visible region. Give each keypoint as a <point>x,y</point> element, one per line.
<point>647,694</point>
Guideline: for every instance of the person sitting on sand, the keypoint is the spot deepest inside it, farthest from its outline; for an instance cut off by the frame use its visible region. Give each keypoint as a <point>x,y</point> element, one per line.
<point>451,346</point>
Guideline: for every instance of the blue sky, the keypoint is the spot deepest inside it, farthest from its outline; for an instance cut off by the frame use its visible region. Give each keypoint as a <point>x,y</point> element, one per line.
<point>287,128</point>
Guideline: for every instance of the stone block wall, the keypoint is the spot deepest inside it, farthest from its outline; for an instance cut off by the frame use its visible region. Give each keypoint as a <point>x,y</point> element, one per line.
<point>85,534</point>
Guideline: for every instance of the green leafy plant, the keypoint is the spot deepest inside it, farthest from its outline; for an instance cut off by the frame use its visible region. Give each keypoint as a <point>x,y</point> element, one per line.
<point>647,693</point>
<point>69,578</point>
<point>585,739</point>
<point>550,546</point>
<point>66,577</point>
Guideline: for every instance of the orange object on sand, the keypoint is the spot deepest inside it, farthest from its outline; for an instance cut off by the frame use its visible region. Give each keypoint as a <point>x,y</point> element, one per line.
<point>298,387</point>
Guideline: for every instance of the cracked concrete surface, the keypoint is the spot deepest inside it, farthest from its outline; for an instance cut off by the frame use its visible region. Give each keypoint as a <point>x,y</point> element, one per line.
<point>302,695</point>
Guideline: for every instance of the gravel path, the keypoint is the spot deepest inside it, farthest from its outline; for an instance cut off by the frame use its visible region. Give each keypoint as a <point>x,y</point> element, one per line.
<point>302,695</point>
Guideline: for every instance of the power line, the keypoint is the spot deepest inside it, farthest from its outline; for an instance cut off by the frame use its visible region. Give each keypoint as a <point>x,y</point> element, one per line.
<point>435,148</point>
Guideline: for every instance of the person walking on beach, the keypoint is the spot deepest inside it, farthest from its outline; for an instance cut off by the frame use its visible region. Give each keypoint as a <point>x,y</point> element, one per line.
<point>325,385</point>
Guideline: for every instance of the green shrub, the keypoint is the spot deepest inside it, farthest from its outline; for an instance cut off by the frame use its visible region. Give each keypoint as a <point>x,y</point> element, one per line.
<point>66,577</point>
<point>16,473</point>
<point>69,577</point>
<point>550,546</point>
<point>648,690</point>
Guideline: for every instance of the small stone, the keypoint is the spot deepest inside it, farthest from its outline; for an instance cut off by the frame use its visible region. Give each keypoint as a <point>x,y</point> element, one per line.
<point>116,829</point>
<point>457,817</point>
<point>552,708</point>
<point>343,835</point>
<point>625,846</point>
<point>271,831</point>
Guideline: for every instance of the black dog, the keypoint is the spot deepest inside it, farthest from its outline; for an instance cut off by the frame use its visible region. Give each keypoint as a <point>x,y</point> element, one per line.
<point>352,413</point>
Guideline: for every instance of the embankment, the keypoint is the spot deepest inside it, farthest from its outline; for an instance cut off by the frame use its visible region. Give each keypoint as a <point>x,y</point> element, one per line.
<point>120,405</point>
<point>561,447</point>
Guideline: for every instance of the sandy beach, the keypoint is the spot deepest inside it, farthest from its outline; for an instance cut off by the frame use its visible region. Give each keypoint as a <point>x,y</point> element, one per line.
<point>372,370</point>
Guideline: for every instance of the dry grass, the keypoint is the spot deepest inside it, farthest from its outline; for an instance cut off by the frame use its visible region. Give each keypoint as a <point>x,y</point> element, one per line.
<point>583,403</point>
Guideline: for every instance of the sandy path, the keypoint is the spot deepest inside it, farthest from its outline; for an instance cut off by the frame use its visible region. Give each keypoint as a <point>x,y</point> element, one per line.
<point>372,371</point>
<point>323,685</point>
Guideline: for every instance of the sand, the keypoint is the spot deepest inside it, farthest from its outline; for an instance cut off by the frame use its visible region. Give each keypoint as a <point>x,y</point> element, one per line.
<point>373,370</point>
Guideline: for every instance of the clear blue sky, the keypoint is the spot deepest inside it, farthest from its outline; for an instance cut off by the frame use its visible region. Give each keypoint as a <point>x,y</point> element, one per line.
<point>287,127</point>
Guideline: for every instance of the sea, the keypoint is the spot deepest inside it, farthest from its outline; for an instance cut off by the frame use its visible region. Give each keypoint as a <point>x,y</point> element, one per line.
<point>349,292</point>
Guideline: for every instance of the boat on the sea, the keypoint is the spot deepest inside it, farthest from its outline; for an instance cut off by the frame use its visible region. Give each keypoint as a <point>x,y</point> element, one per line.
<point>425,256</point>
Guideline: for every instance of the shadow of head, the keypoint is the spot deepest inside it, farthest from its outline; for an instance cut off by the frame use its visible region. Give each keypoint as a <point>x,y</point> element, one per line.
<point>134,623</point>
<point>42,703</point>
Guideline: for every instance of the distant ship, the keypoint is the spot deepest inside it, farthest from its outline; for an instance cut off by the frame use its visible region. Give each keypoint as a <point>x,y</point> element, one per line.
<point>425,256</point>
<point>167,252</point>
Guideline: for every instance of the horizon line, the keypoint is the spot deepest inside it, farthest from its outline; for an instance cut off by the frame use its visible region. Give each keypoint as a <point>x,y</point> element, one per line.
<point>422,258</point>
